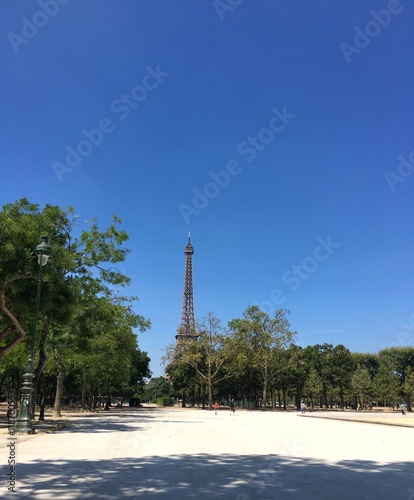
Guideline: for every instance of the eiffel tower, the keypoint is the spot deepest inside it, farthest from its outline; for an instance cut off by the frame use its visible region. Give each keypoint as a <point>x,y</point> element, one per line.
<point>187,331</point>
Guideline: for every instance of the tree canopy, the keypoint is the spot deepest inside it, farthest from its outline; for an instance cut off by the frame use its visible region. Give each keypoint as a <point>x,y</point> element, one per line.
<point>84,319</point>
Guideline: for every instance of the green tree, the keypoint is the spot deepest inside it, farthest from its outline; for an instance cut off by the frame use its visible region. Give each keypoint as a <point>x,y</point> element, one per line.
<point>78,254</point>
<point>140,371</point>
<point>182,375</point>
<point>10,369</point>
<point>400,361</point>
<point>313,386</point>
<point>104,347</point>
<point>82,266</point>
<point>361,384</point>
<point>262,336</point>
<point>408,386</point>
<point>369,360</point>
<point>296,371</point>
<point>210,354</point>
<point>21,225</point>
<point>386,384</point>
<point>282,379</point>
<point>318,358</point>
<point>157,387</point>
<point>339,370</point>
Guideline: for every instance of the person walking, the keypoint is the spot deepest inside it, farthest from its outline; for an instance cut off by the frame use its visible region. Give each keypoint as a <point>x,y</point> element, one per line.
<point>303,407</point>
<point>232,406</point>
<point>216,407</point>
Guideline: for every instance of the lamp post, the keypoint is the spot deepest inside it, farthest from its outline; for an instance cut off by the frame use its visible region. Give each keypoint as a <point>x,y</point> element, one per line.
<point>23,421</point>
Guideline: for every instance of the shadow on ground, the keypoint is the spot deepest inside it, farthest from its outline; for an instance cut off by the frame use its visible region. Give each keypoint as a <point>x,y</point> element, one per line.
<point>98,421</point>
<point>106,422</point>
<point>206,476</point>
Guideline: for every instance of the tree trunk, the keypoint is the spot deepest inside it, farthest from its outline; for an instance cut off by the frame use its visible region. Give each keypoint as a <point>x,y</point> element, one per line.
<point>325,395</point>
<point>210,394</point>
<point>107,401</point>
<point>17,327</point>
<point>297,398</point>
<point>264,396</point>
<point>83,402</point>
<point>203,395</point>
<point>92,401</point>
<point>341,394</point>
<point>57,407</point>
<point>265,377</point>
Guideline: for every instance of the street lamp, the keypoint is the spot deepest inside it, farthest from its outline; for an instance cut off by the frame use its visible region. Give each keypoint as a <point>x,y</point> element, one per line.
<point>23,421</point>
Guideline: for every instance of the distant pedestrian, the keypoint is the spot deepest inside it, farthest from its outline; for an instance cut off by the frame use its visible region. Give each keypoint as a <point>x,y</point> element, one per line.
<point>216,407</point>
<point>303,407</point>
<point>232,406</point>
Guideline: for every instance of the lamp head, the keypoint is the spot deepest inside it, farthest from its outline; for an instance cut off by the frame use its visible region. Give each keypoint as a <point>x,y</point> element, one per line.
<point>43,251</point>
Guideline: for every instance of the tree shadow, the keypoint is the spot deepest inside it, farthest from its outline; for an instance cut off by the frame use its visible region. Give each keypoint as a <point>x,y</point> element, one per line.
<point>107,421</point>
<point>240,477</point>
<point>100,422</point>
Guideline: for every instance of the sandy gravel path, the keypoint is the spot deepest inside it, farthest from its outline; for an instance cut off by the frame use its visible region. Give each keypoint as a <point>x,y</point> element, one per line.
<point>191,453</point>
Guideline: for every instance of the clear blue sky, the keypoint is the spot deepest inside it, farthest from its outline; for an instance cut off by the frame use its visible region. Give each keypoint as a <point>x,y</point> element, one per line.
<point>275,131</point>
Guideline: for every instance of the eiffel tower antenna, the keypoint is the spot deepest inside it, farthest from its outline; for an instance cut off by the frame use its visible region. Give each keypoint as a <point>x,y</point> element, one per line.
<point>186,331</point>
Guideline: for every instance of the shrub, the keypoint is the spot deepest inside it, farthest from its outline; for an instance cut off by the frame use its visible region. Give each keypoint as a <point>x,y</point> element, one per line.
<point>165,401</point>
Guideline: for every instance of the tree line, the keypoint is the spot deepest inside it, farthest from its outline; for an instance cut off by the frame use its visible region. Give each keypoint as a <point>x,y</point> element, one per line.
<point>255,359</point>
<point>86,343</point>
